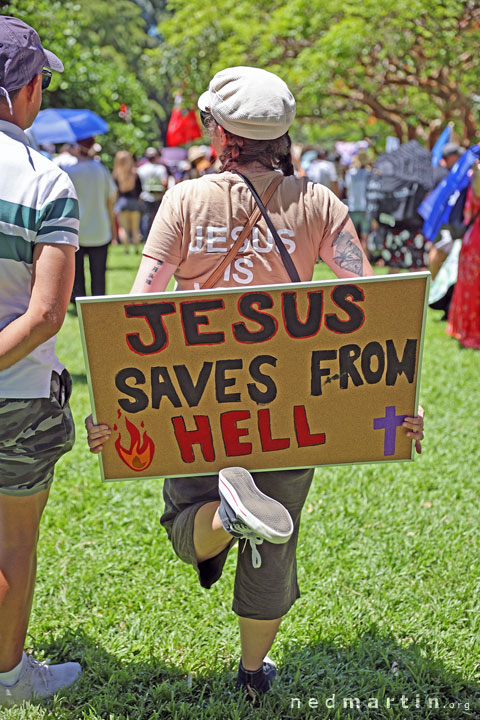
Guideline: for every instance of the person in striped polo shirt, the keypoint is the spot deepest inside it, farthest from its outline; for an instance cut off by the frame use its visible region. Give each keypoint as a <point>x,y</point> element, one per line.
<point>38,239</point>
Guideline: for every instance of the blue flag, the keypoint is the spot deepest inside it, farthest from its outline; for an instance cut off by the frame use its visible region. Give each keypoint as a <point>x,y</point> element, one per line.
<point>439,145</point>
<point>437,206</point>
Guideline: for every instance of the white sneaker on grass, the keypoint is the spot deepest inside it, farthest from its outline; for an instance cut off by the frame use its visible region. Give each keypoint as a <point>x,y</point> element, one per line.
<point>39,680</point>
<point>247,513</point>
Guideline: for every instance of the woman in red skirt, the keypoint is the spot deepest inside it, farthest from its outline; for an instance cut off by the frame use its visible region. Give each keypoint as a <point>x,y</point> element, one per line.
<point>464,315</point>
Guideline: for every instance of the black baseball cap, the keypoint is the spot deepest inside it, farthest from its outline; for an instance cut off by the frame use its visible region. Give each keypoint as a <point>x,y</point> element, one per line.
<point>22,55</point>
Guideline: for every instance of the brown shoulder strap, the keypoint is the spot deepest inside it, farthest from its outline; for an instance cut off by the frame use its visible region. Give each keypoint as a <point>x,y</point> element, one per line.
<point>252,220</point>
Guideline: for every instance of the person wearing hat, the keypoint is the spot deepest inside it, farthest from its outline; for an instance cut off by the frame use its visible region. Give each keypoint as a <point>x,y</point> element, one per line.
<point>451,153</point>
<point>39,219</point>
<point>247,112</point>
<point>199,159</point>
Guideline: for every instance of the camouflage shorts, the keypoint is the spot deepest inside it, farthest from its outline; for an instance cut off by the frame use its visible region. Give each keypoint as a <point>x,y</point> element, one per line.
<point>34,435</point>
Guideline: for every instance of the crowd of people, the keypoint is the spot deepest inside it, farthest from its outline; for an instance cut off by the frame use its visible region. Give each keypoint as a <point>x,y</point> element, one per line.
<point>390,232</point>
<point>384,204</point>
<point>118,207</point>
<point>140,183</point>
<point>247,113</point>
<point>384,209</point>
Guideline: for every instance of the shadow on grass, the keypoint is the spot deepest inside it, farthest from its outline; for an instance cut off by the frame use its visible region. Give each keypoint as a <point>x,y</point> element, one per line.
<point>117,690</point>
<point>373,678</point>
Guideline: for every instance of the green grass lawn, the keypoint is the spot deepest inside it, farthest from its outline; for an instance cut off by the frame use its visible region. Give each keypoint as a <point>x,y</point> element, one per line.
<point>388,563</point>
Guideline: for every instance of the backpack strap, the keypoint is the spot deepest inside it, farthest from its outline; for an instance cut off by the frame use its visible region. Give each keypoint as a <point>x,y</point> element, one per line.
<point>252,220</point>
<point>284,254</point>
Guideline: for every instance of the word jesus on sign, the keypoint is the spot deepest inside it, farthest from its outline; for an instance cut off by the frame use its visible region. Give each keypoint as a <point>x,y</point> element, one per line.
<point>274,377</point>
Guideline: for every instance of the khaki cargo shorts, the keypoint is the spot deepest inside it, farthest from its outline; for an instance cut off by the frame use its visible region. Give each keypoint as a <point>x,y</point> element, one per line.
<point>34,435</point>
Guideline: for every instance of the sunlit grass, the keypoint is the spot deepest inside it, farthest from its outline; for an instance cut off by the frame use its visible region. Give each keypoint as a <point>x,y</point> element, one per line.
<point>388,564</point>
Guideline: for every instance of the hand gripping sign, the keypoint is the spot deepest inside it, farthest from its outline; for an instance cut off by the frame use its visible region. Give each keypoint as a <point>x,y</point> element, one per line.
<point>282,376</point>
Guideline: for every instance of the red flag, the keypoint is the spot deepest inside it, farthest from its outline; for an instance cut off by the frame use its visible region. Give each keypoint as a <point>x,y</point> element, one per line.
<point>183,126</point>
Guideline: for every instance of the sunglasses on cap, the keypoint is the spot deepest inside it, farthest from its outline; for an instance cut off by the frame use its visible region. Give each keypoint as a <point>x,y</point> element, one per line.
<point>46,78</point>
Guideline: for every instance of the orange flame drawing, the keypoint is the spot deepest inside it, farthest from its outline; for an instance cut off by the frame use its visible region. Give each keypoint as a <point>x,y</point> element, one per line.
<point>139,456</point>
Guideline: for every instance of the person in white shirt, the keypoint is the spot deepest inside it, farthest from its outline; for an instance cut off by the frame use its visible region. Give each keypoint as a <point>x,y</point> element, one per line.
<point>322,171</point>
<point>66,157</point>
<point>38,238</point>
<point>96,198</point>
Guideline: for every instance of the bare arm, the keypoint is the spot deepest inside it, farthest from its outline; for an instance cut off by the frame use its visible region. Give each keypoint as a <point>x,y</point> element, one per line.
<point>53,273</point>
<point>152,276</point>
<point>344,254</point>
<point>111,215</point>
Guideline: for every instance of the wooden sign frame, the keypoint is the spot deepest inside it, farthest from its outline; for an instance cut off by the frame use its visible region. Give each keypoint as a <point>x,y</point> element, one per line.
<point>255,376</point>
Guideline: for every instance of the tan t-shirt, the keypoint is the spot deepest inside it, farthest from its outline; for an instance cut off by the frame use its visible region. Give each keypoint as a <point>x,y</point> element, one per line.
<point>199,220</point>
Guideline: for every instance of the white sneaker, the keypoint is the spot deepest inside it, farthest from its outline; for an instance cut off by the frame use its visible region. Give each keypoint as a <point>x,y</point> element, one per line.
<point>39,680</point>
<point>247,513</point>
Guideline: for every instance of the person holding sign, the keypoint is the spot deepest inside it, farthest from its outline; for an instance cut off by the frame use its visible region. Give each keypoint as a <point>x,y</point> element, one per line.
<point>209,232</point>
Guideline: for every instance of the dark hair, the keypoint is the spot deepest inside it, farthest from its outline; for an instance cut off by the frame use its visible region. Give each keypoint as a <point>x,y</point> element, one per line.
<point>13,93</point>
<point>273,154</point>
<point>85,145</point>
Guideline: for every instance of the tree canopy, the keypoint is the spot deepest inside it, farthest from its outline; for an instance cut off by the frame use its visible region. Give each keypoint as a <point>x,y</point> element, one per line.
<point>102,46</point>
<point>361,68</point>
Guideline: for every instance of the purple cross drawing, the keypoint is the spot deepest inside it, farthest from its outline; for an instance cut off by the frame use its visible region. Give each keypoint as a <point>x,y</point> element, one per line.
<point>389,423</point>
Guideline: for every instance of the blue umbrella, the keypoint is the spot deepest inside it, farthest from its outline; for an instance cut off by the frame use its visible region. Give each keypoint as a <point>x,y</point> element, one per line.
<point>61,125</point>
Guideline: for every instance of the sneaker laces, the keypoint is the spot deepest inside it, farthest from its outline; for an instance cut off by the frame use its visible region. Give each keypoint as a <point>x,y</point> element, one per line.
<point>248,534</point>
<point>252,694</point>
<point>39,667</point>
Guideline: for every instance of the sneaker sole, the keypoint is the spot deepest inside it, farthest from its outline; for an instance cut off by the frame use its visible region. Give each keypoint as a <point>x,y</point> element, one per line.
<point>266,516</point>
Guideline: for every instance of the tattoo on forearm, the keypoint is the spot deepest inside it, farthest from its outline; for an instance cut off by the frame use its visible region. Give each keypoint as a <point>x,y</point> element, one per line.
<point>346,254</point>
<point>155,269</point>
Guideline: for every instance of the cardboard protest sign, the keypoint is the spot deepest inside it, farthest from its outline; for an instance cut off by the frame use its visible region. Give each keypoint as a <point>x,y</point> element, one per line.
<point>271,377</point>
